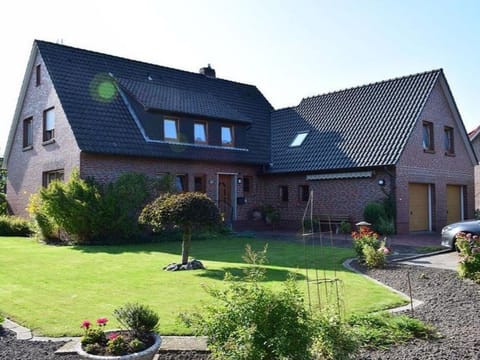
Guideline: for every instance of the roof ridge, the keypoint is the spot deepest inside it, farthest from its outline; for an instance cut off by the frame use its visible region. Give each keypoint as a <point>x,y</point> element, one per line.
<point>369,84</point>
<point>141,62</point>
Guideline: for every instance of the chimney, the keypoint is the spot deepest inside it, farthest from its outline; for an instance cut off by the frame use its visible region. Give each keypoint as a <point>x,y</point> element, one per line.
<point>208,71</point>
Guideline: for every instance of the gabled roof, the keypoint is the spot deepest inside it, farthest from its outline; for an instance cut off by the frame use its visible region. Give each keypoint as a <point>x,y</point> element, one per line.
<point>105,125</point>
<point>361,127</point>
<point>472,135</point>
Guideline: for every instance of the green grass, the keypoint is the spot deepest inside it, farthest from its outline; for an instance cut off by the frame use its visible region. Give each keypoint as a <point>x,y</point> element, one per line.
<point>52,289</point>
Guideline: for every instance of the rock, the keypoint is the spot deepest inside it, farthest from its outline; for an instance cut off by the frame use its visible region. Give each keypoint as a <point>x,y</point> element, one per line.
<point>193,264</point>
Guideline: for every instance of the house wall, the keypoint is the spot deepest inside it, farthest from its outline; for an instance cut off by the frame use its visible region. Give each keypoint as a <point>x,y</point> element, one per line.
<point>437,168</point>
<point>107,168</point>
<point>331,197</point>
<point>476,147</point>
<point>26,166</point>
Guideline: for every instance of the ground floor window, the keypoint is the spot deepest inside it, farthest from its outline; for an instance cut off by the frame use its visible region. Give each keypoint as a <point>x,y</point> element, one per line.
<point>303,192</point>
<point>181,183</point>
<point>283,192</point>
<point>53,175</point>
<point>200,183</point>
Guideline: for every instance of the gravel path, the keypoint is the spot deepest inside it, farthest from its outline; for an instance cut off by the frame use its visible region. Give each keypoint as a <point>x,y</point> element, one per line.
<point>450,304</point>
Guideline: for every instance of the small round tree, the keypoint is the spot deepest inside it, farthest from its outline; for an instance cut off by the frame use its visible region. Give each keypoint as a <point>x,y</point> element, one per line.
<point>187,211</point>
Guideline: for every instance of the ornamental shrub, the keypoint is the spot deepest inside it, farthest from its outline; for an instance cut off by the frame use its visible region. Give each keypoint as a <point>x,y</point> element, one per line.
<point>14,226</point>
<point>44,227</point>
<point>375,258</point>
<point>3,204</point>
<point>139,319</point>
<point>363,237</point>
<point>469,251</point>
<point>334,339</point>
<point>86,212</point>
<point>251,321</point>
<point>186,211</point>
<point>372,212</point>
<point>381,215</point>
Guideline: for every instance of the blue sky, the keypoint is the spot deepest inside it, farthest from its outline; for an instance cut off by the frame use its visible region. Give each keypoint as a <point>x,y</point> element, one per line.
<point>288,49</point>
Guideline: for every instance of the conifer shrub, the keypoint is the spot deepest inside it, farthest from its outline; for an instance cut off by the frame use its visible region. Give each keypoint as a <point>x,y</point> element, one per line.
<point>83,211</point>
<point>14,226</point>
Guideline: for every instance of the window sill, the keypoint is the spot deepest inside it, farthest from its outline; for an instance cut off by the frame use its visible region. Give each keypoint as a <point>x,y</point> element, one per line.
<point>27,148</point>
<point>450,154</point>
<point>429,151</point>
<point>48,142</point>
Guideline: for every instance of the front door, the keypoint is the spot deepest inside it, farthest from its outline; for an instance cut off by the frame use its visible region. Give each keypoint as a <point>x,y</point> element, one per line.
<point>418,207</point>
<point>454,201</point>
<point>225,204</point>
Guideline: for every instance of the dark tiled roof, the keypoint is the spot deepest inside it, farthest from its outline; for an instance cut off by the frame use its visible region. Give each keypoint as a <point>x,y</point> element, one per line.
<point>104,125</point>
<point>153,95</point>
<point>362,127</point>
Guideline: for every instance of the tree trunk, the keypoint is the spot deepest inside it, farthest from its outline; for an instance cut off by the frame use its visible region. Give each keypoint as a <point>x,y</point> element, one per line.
<point>186,241</point>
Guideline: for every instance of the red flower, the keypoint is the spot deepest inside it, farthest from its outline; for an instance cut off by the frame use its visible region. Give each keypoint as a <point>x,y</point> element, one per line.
<point>86,324</point>
<point>102,321</point>
<point>113,336</point>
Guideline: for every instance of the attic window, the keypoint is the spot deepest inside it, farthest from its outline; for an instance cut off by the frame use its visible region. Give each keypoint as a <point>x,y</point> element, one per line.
<point>170,129</point>
<point>38,75</point>
<point>299,139</point>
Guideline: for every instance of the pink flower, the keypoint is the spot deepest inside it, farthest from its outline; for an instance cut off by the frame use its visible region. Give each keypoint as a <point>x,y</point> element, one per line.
<point>86,324</point>
<point>102,321</point>
<point>113,336</point>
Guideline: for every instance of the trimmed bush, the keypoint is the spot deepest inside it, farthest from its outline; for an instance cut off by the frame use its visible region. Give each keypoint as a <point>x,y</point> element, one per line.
<point>14,226</point>
<point>187,211</point>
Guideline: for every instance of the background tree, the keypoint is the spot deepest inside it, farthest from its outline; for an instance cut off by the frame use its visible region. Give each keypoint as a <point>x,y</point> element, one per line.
<point>187,211</point>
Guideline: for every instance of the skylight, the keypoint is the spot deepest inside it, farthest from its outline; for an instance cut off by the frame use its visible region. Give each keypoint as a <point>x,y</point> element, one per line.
<point>299,139</point>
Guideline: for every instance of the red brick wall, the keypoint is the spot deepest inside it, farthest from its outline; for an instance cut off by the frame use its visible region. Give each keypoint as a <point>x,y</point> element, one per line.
<point>437,169</point>
<point>25,167</point>
<point>106,168</point>
<point>332,197</point>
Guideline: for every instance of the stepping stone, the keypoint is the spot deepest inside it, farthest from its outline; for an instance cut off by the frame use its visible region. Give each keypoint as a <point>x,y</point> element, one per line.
<point>181,343</point>
<point>68,348</point>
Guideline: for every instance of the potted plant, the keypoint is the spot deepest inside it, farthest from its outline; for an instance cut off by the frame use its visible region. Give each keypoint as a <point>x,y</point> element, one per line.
<point>138,340</point>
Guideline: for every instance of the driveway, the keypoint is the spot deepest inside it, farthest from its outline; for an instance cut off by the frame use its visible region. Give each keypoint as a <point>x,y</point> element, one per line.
<point>448,261</point>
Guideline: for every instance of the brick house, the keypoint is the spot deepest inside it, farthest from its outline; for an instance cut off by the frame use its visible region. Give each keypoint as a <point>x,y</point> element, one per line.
<point>475,140</point>
<point>106,115</point>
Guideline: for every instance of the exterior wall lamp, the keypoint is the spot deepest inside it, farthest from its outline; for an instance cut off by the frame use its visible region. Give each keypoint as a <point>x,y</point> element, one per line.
<point>381,182</point>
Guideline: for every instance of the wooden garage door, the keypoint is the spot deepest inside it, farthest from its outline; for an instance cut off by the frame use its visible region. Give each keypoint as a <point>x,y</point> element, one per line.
<point>418,207</point>
<point>454,203</point>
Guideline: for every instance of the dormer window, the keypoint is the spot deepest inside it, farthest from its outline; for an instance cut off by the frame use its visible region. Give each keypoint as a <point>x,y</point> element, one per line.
<point>200,132</point>
<point>299,139</point>
<point>227,135</point>
<point>170,129</point>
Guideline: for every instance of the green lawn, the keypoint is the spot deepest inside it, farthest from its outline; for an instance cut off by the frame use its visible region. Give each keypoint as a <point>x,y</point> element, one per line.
<point>52,289</point>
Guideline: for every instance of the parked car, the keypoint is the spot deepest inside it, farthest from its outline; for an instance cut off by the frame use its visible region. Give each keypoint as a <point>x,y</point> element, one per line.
<point>450,232</point>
